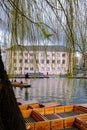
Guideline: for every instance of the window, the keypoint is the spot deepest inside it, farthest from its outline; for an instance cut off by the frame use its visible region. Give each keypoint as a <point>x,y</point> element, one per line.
<point>15,68</point>
<point>31,61</point>
<point>26,54</point>
<point>20,60</point>
<point>42,68</point>
<point>58,54</point>
<point>42,61</point>
<point>15,60</point>
<point>63,61</point>
<point>26,61</point>
<point>53,54</point>
<point>26,68</point>
<point>53,61</point>
<point>63,69</point>
<point>42,54</point>
<point>53,68</point>
<point>48,55</point>
<point>21,54</point>
<point>58,61</point>
<point>31,68</point>
<point>14,53</point>
<point>20,68</point>
<point>37,61</point>
<point>58,68</point>
<point>37,69</point>
<point>31,54</point>
<point>48,68</point>
<point>48,61</point>
<point>63,55</point>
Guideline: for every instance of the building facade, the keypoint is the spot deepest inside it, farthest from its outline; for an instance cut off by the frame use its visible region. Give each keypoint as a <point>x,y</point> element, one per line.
<point>51,60</point>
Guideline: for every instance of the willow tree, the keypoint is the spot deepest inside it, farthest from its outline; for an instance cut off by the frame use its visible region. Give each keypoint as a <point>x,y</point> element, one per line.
<point>50,21</point>
<point>33,21</point>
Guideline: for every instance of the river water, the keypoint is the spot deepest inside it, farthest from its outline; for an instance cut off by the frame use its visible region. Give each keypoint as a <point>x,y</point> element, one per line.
<point>62,90</point>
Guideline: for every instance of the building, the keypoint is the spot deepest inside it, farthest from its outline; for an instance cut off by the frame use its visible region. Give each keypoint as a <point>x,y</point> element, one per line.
<point>45,59</point>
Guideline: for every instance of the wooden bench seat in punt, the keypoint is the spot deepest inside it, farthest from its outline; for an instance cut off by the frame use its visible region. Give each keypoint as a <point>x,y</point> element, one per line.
<point>63,124</point>
<point>67,111</point>
<point>81,122</point>
<point>80,109</point>
<point>23,107</point>
<point>35,105</point>
<point>44,125</point>
<point>74,128</point>
<point>51,104</point>
<point>52,116</point>
<point>31,116</point>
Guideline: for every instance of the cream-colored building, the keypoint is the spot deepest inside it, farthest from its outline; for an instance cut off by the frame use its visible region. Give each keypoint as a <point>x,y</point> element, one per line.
<point>51,59</point>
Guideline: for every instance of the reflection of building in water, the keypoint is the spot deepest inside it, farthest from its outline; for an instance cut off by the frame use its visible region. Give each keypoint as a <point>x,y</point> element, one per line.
<point>45,59</point>
<point>49,90</point>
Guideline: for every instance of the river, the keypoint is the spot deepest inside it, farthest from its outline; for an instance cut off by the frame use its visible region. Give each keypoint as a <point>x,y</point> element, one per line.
<point>62,90</point>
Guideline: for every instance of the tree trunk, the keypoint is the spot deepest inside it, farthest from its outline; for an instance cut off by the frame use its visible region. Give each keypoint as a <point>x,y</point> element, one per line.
<point>10,115</point>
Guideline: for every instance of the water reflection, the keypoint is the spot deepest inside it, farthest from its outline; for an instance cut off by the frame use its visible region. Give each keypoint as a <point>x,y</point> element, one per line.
<point>61,90</point>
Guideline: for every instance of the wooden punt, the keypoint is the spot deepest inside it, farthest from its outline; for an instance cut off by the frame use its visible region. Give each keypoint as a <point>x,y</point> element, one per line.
<point>30,117</point>
<point>30,106</point>
<point>61,111</point>
<point>81,122</point>
<point>21,85</point>
<point>35,105</point>
<point>50,118</point>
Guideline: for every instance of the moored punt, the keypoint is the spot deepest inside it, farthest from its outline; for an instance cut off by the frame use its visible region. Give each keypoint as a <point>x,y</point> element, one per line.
<point>21,85</point>
<point>55,117</point>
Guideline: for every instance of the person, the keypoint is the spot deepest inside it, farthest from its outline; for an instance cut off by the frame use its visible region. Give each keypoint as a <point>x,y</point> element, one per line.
<point>26,75</point>
<point>10,115</point>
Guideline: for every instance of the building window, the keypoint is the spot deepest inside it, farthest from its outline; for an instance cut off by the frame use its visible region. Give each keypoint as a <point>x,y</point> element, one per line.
<point>48,55</point>
<point>48,61</point>
<point>31,54</point>
<point>58,54</point>
<point>21,54</point>
<point>48,68</point>
<point>20,68</point>
<point>63,55</point>
<point>42,68</point>
<point>20,60</point>
<point>63,69</point>
<point>26,68</point>
<point>58,61</point>
<point>53,68</point>
<point>42,61</point>
<point>53,61</point>
<point>15,68</point>
<point>42,54</point>
<point>31,61</point>
<point>26,54</point>
<point>15,60</point>
<point>63,61</point>
<point>53,54</point>
<point>37,61</point>
<point>58,68</point>
<point>26,61</point>
<point>15,53</point>
<point>31,68</point>
<point>37,69</point>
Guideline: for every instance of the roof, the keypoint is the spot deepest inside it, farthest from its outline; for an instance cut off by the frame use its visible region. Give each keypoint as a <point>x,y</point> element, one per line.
<point>49,48</point>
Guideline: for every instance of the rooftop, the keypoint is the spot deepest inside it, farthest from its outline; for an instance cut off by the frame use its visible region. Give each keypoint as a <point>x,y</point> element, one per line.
<point>49,48</point>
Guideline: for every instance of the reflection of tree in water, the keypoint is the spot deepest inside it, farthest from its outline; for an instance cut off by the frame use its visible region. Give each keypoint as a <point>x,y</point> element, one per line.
<point>83,84</point>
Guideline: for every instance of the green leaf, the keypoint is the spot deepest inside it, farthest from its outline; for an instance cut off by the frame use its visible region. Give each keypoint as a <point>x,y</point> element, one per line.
<point>46,35</point>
